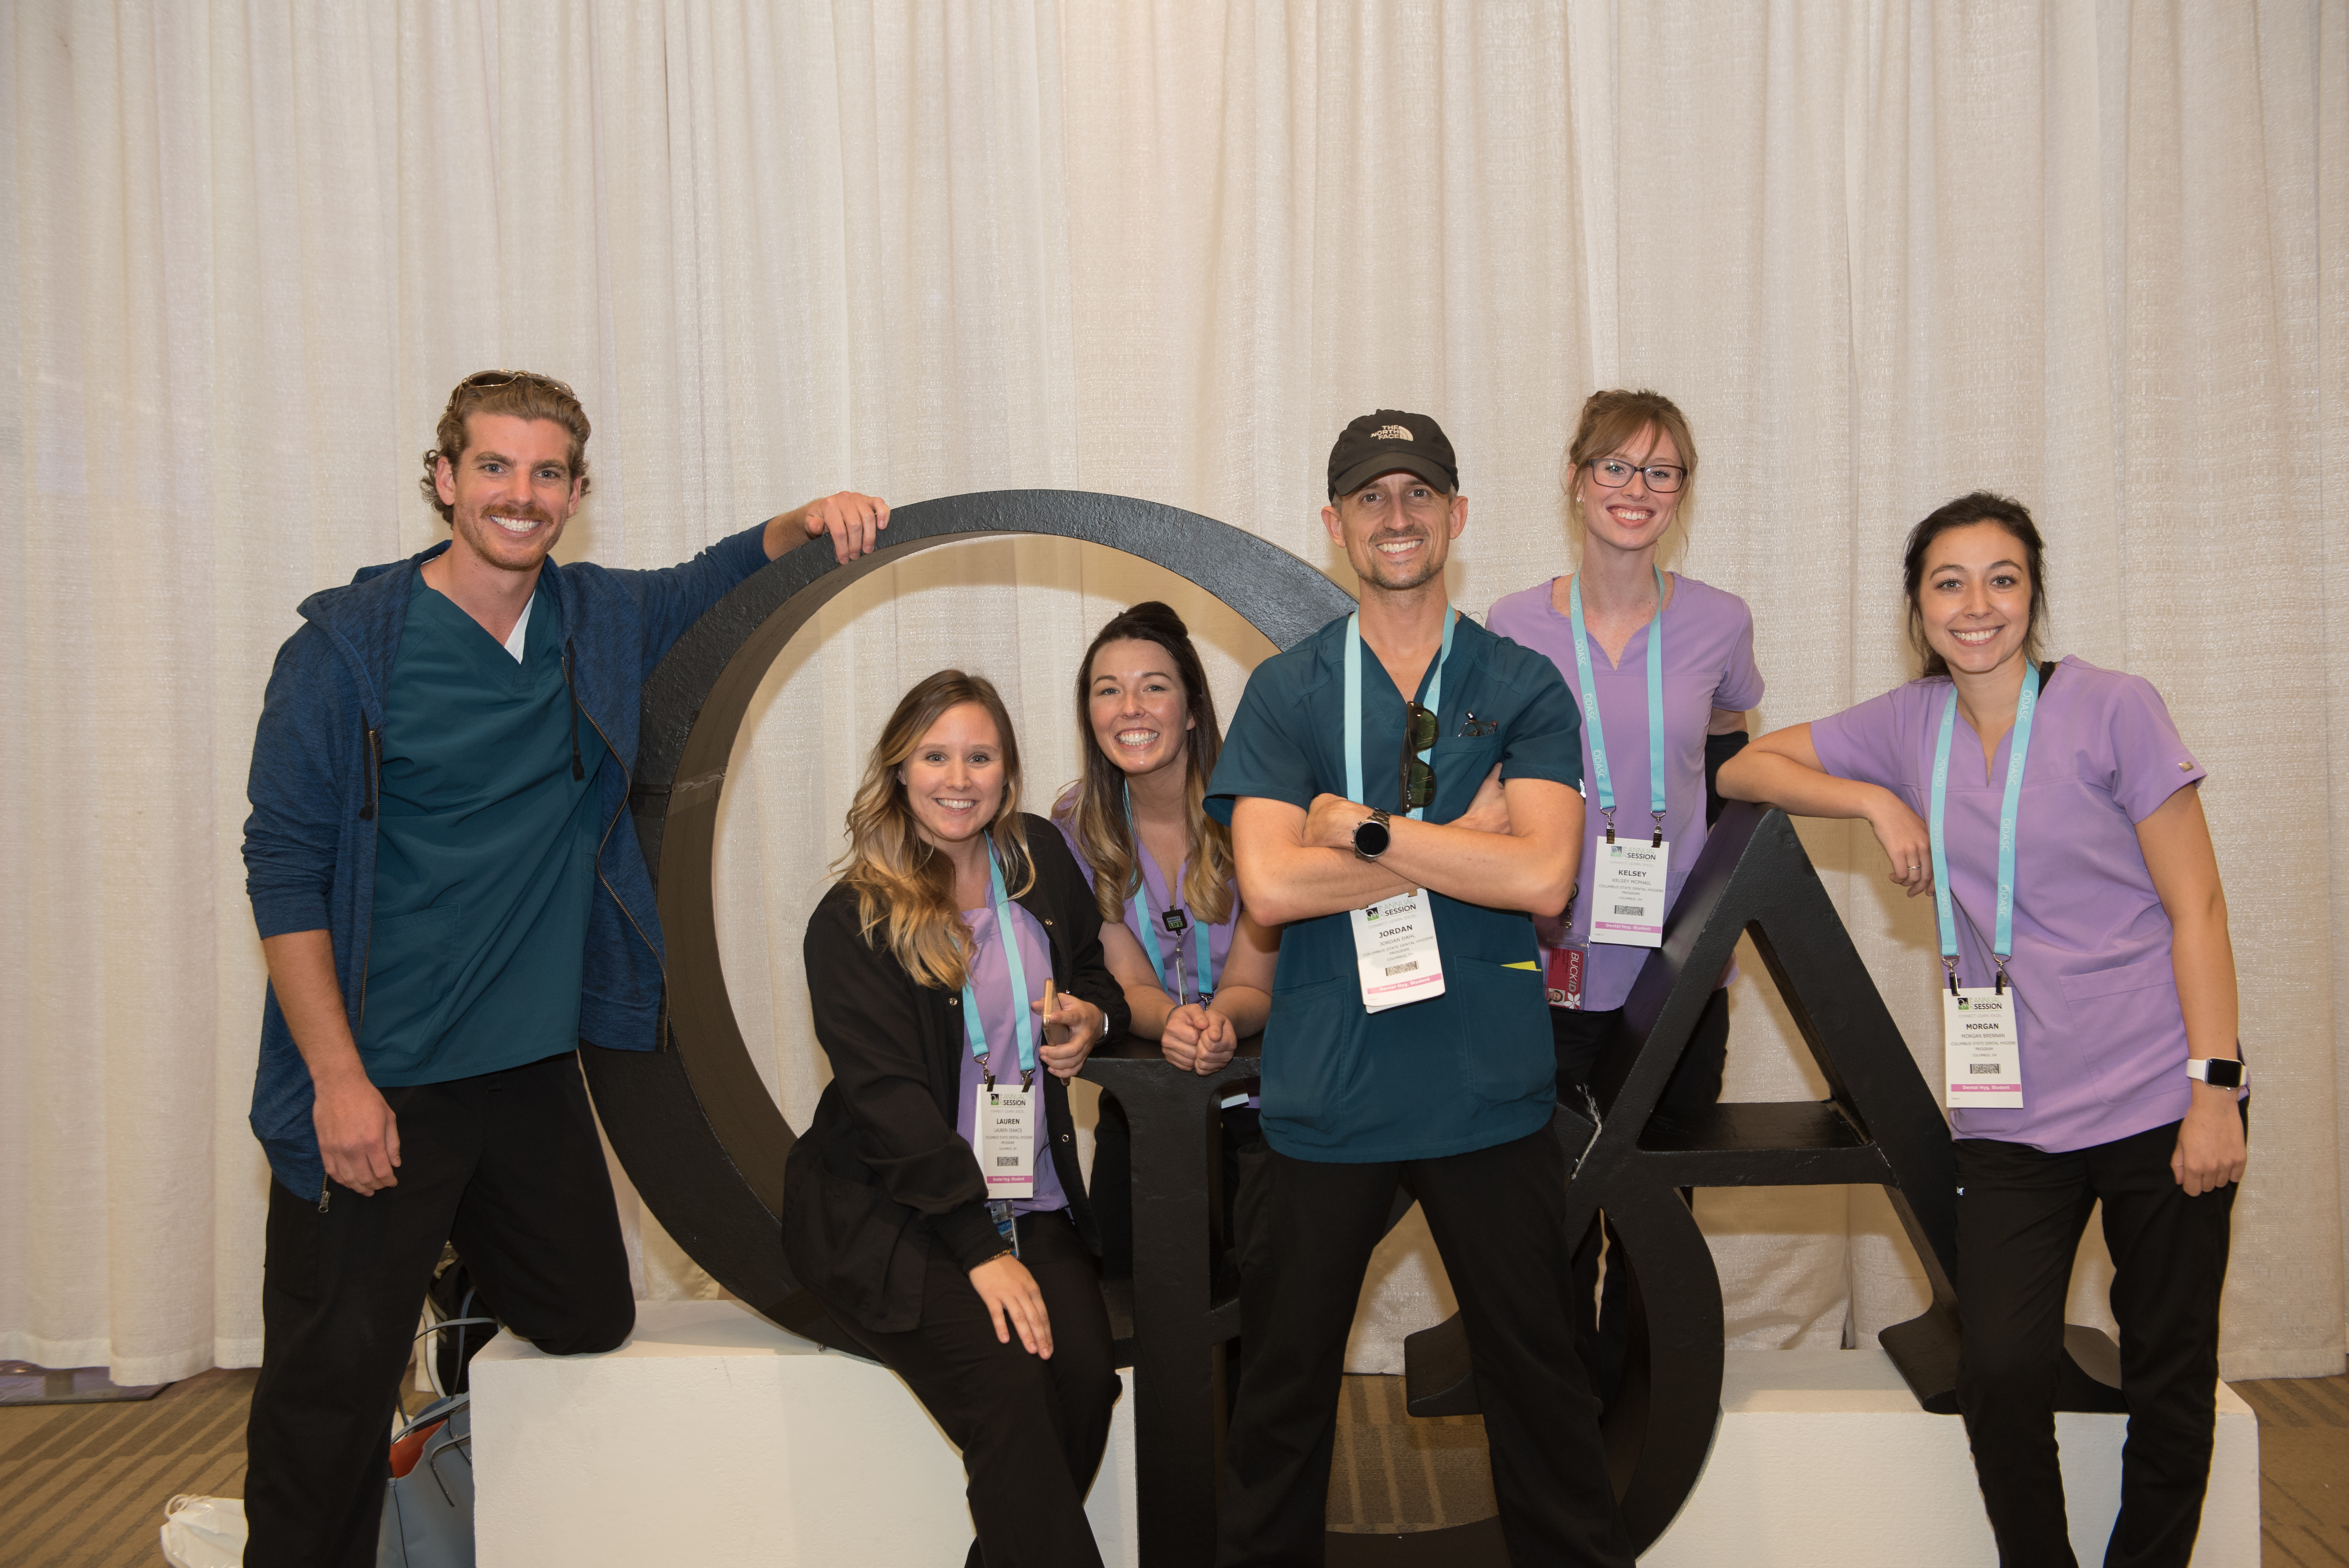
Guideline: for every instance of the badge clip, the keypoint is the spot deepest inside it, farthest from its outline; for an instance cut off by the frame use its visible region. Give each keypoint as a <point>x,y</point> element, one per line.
<point>1609,813</point>
<point>1658,841</point>
<point>1950,968</point>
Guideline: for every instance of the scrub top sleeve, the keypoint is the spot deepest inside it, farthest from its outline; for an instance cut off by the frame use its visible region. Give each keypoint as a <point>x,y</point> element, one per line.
<point>1544,740</point>
<point>1863,742</point>
<point>2149,762</point>
<point>1740,678</point>
<point>1263,755</point>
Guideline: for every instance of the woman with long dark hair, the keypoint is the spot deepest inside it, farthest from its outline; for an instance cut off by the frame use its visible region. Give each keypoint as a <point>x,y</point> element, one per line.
<point>1195,970</point>
<point>2087,991</point>
<point>936,1205</point>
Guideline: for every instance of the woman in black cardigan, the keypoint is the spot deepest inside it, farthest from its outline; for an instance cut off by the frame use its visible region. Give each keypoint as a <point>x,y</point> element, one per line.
<point>990,1310</point>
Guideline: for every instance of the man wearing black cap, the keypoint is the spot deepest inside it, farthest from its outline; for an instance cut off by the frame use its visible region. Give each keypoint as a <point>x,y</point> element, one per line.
<point>1405,843</point>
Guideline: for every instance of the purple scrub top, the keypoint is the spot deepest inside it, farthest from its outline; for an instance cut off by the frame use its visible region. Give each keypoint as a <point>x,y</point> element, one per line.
<point>998,1016</point>
<point>2104,1042</point>
<point>1154,893</point>
<point>1708,664</point>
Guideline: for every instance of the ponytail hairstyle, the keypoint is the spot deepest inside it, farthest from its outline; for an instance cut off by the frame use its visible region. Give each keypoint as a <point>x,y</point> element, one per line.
<point>904,885</point>
<point>1094,807</point>
<point>1981,506</point>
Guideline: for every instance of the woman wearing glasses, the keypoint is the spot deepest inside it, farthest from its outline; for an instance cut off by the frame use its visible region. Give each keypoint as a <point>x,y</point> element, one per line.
<point>2088,1001</point>
<point>1663,667</point>
<point>935,1205</point>
<point>1197,971</point>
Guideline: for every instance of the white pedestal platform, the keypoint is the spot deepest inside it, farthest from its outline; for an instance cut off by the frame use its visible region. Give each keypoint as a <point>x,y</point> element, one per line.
<point>1823,1456</point>
<point>716,1439</point>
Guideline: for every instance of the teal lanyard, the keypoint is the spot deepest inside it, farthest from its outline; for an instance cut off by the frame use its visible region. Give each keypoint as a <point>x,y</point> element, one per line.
<point>2025,704</point>
<point>1599,770</point>
<point>1018,965</point>
<point>1354,701</point>
<point>1205,967</point>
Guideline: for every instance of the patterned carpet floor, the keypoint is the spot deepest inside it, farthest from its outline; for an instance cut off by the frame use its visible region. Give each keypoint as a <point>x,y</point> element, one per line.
<point>84,1486</point>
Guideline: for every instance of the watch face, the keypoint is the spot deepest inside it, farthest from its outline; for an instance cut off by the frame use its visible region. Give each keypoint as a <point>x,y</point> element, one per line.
<point>1370,839</point>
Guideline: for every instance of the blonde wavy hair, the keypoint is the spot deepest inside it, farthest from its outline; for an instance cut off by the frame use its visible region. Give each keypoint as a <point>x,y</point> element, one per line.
<point>904,885</point>
<point>1094,805</point>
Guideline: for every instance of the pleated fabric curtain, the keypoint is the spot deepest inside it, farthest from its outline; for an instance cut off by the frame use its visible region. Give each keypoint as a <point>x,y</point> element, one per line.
<point>2091,255</point>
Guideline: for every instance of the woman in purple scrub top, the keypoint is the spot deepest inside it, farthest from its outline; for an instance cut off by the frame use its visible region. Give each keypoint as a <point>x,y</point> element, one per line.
<point>1197,971</point>
<point>1664,673</point>
<point>2110,1069</point>
<point>929,963</point>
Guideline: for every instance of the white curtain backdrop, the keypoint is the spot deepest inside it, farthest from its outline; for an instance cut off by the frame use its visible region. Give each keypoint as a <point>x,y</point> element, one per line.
<point>2094,254</point>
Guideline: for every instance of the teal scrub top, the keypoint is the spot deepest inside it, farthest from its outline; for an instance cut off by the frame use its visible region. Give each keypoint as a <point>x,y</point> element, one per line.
<point>1475,1067</point>
<point>485,853</point>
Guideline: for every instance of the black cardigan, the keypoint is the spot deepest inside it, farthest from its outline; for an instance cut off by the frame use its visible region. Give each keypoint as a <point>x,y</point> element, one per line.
<point>882,1162</point>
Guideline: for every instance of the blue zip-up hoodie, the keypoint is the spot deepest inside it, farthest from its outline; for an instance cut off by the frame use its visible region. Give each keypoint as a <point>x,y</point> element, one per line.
<point>309,845</point>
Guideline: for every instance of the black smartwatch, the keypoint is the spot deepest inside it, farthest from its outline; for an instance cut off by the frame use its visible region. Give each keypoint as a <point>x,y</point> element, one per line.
<point>2219,1072</point>
<point>1371,836</point>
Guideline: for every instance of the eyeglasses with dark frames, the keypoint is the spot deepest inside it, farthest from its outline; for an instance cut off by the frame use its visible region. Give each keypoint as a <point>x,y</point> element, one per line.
<point>1614,473</point>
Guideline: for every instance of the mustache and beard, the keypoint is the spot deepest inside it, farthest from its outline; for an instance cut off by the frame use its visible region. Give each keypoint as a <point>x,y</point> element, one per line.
<point>1395,577</point>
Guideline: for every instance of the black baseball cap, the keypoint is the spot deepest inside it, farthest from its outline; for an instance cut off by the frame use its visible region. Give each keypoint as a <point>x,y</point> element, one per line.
<point>1386,441</point>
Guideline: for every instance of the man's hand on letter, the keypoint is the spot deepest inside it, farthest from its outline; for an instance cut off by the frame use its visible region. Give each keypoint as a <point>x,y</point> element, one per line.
<point>853,521</point>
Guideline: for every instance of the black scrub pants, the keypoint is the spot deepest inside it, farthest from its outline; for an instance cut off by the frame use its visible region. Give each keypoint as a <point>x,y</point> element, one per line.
<point>507,1166</point>
<point>1010,1412</point>
<point>1498,1218</point>
<point>2020,1216</point>
<point>1603,1311</point>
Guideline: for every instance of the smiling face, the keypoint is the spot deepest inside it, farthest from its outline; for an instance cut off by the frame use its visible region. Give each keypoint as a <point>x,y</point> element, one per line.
<point>1140,713</point>
<point>1631,517</point>
<point>1397,529</point>
<point>954,780</point>
<point>511,490</point>
<point>1973,597</point>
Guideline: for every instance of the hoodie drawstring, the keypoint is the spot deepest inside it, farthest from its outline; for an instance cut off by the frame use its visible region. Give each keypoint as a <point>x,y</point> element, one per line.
<point>375,769</point>
<point>577,770</point>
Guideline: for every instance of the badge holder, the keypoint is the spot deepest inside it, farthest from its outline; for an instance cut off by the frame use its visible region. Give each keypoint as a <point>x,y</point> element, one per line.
<point>1981,1039</point>
<point>1630,883</point>
<point>1396,958</point>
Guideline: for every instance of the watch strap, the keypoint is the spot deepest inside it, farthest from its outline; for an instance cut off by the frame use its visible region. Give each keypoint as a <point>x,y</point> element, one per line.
<point>2220,1072</point>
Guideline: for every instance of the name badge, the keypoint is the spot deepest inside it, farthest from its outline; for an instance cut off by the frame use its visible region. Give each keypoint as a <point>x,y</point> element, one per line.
<point>1564,981</point>
<point>1395,951</point>
<point>1628,882</point>
<point>1981,1050</point>
<point>1004,1124</point>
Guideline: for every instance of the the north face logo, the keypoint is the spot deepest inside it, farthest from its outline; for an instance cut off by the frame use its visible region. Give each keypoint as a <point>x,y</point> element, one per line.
<point>1390,433</point>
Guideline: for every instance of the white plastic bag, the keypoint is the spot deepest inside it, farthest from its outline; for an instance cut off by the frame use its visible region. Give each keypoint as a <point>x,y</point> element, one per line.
<point>203,1531</point>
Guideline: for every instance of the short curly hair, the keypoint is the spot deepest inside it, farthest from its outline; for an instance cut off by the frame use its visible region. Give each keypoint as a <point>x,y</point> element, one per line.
<point>523,393</point>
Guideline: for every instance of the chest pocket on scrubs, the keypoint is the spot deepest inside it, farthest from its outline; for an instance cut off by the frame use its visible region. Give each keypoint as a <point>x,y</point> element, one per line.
<point>1461,764</point>
<point>1507,1055</point>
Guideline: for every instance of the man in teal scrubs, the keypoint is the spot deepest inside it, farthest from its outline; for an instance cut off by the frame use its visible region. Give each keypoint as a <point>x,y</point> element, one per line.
<point>449,897</point>
<point>1409,1039</point>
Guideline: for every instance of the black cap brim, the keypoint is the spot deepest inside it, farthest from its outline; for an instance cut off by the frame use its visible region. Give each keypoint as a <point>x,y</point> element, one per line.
<point>1363,472</point>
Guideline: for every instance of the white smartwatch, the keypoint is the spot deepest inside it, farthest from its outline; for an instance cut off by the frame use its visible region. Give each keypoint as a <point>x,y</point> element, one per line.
<point>2219,1072</point>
